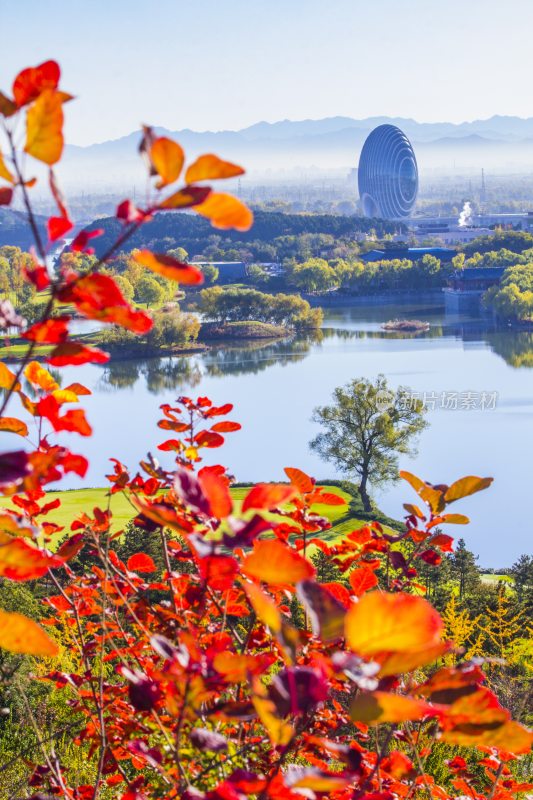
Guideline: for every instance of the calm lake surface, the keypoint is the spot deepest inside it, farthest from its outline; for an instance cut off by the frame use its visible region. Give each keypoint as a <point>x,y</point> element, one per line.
<point>275,387</point>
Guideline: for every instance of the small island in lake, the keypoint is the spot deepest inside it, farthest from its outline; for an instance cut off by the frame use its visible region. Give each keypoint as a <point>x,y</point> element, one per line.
<point>406,325</point>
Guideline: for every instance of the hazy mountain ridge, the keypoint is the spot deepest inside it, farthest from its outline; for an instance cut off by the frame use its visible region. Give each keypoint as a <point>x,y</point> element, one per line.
<point>269,150</point>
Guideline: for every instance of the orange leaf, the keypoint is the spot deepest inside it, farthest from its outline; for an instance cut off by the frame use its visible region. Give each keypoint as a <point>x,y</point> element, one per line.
<point>400,631</point>
<point>40,377</point>
<point>374,707</point>
<point>216,490</point>
<point>4,172</point>
<point>226,211</point>
<point>29,83</point>
<point>329,499</point>
<point>169,267</point>
<point>300,480</point>
<point>44,128</point>
<point>226,427</point>
<point>362,579</point>
<point>466,486</point>
<point>13,425</point>
<point>210,167</point>
<point>18,634</point>
<point>267,496</point>
<point>167,158</point>
<point>78,388</point>
<point>273,562</point>
<point>20,561</point>
<point>7,106</point>
<point>511,737</point>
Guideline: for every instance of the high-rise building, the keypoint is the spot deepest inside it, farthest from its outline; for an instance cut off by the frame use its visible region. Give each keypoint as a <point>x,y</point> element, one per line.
<point>388,174</point>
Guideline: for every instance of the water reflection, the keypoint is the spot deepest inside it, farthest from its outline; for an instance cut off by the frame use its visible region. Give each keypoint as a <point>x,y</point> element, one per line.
<point>180,372</point>
<point>515,347</point>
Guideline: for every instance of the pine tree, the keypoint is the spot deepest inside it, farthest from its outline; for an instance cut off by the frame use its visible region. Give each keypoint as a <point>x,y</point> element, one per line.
<point>464,569</point>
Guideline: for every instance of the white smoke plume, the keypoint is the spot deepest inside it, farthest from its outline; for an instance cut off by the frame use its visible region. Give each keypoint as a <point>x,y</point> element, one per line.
<point>465,217</point>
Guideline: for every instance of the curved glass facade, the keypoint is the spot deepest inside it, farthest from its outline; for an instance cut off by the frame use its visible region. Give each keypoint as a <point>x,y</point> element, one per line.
<point>388,174</point>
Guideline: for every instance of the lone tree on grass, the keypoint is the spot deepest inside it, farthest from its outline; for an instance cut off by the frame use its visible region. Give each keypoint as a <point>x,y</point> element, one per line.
<point>365,430</point>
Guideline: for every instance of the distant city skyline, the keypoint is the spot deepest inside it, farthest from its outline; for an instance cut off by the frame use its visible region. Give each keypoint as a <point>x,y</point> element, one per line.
<point>211,65</point>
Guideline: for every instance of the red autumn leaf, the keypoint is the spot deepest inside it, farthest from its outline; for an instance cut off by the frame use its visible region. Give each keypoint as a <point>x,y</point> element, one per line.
<point>328,499</point>
<point>57,227</point>
<point>169,267</point>
<point>71,547</point>
<point>216,489</point>
<point>29,83</point>
<point>268,496</point>
<point>74,354</point>
<point>431,557</point>
<point>21,561</point>
<point>98,297</point>
<point>226,427</point>
<point>51,331</point>
<point>186,198</point>
<point>14,466</point>
<point>141,562</point>
<point>273,561</point>
<point>57,194</point>
<point>218,571</point>
<point>79,244</point>
<point>362,579</point>
<point>38,275</point>
<point>73,421</point>
<point>127,212</point>
<point>208,439</point>
<point>6,195</point>
<point>443,542</point>
<point>218,411</point>
<point>303,482</point>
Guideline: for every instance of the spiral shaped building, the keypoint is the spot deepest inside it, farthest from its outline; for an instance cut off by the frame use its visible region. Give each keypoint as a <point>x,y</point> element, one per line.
<point>388,174</point>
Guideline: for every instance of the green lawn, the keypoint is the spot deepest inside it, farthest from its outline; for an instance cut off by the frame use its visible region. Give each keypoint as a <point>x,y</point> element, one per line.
<point>75,502</point>
<point>489,577</point>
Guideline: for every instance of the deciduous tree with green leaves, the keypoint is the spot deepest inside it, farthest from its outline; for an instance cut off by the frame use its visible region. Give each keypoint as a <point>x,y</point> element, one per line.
<point>365,430</point>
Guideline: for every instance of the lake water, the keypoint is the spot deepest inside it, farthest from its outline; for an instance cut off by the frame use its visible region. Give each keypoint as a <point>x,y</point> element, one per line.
<point>275,387</point>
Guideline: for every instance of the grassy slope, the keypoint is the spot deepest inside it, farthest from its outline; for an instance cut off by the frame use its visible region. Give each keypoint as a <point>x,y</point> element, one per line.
<point>77,501</point>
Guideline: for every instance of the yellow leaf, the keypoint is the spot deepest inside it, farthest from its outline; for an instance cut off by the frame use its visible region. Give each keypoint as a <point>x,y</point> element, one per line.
<point>7,378</point>
<point>279,731</point>
<point>466,486</point>
<point>399,631</point>
<point>265,608</point>
<point>44,127</point>
<point>210,167</point>
<point>167,158</point>
<point>374,707</point>
<point>65,396</point>
<point>225,211</point>
<point>40,377</point>
<point>13,425</point>
<point>4,172</point>
<point>18,634</point>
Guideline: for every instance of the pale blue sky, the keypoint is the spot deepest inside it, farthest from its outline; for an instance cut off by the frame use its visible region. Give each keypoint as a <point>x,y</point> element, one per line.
<point>213,64</point>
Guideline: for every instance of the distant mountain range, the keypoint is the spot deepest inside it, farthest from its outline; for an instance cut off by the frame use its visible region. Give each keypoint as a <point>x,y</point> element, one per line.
<point>287,149</point>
